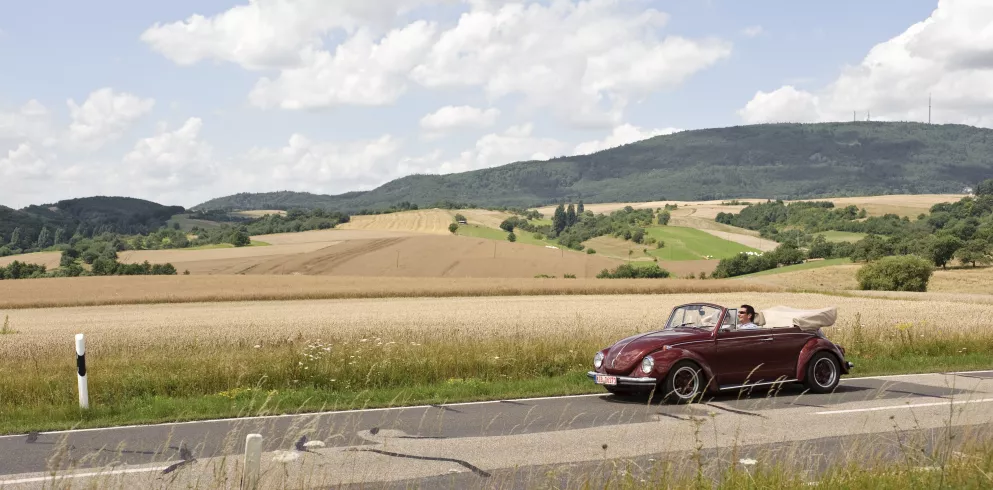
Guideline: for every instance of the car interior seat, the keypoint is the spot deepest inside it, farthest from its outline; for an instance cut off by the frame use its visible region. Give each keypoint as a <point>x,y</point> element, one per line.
<point>759,319</point>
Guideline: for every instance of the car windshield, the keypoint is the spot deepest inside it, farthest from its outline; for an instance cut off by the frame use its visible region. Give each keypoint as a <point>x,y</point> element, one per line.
<point>694,316</point>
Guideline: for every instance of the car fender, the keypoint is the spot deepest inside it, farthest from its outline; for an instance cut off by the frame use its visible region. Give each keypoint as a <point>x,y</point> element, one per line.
<point>665,359</point>
<point>813,346</point>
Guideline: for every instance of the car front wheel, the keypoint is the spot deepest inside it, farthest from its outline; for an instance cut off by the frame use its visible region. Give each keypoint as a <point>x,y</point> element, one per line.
<point>823,373</point>
<point>684,383</point>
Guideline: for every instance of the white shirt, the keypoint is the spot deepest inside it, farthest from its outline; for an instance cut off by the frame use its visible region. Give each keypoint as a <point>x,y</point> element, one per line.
<point>748,326</point>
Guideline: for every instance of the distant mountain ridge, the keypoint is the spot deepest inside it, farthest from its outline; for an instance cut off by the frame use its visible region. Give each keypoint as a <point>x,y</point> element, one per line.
<point>47,224</point>
<point>788,161</point>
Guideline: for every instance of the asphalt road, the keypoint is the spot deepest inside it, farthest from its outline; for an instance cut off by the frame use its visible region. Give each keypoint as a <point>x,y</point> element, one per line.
<point>517,443</point>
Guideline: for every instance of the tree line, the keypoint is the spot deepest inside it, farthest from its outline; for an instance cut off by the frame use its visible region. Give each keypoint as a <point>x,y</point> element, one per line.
<point>961,230</point>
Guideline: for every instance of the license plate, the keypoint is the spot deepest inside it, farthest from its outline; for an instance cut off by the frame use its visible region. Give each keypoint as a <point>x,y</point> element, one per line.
<point>602,379</point>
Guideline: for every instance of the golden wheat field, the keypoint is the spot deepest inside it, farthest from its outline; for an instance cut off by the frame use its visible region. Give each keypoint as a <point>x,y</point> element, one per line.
<point>83,291</point>
<point>47,331</point>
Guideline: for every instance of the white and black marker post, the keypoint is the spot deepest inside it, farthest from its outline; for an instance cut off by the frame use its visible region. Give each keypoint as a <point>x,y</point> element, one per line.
<point>84,395</point>
<point>253,461</point>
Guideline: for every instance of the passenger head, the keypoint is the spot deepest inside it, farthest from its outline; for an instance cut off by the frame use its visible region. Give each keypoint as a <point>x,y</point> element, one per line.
<point>746,314</point>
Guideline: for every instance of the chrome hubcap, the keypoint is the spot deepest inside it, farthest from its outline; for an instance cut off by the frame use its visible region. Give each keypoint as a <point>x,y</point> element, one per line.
<point>825,372</point>
<point>685,382</point>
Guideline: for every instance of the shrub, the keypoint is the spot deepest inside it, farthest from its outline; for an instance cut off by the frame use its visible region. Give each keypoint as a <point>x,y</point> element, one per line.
<point>511,237</point>
<point>627,271</point>
<point>453,227</point>
<point>897,273</point>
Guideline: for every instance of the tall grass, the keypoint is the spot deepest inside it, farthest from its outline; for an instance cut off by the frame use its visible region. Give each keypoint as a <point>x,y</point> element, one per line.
<point>315,352</point>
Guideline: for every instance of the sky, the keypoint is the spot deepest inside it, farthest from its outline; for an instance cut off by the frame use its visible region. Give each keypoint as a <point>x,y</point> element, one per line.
<point>180,102</point>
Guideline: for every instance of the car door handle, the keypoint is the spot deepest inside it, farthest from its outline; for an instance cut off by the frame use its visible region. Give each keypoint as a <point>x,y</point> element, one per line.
<point>767,339</point>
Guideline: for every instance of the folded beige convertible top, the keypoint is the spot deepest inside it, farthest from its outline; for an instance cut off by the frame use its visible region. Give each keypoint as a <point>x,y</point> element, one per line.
<point>784,316</point>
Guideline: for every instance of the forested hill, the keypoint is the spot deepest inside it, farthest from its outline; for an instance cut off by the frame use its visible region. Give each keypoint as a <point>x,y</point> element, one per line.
<point>788,161</point>
<point>44,225</point>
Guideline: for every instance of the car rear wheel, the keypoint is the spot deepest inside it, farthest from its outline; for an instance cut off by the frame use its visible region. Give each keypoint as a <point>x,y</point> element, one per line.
<point>823,373</point>
<point>684,383</point>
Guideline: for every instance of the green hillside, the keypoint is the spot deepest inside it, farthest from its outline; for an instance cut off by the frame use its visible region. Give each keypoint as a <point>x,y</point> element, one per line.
<point>40,226</point>
<point>787,161</point>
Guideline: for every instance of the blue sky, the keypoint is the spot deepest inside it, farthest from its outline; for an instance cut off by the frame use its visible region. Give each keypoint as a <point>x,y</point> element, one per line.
<point>174,110</point>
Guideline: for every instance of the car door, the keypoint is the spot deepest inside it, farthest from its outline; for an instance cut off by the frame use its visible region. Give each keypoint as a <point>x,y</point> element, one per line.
<point>744,355</point>
<point>786,346</point>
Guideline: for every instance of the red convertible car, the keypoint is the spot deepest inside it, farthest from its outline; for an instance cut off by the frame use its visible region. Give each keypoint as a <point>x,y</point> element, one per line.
<point>701,350</point>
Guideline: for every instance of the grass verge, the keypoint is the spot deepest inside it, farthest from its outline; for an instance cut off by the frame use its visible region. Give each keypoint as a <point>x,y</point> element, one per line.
<point>192,381</point>
<point>683,243</point>
<point>811,264</point>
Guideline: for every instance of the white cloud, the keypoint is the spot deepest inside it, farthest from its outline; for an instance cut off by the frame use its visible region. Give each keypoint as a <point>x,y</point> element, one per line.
<point>450,118</point>
<point>948,55</point>
<point>104,117</point>
<point>24,162</point>
<point>269,33</point>
<point>171,160</point>
<point>786,104</point>
<point>327,167</point>
<point>752,31</point>
<point>360,72</point>
<point>515,144</point>
<point>31,122</point>
<point>583,60</point>
<point>621,135</point>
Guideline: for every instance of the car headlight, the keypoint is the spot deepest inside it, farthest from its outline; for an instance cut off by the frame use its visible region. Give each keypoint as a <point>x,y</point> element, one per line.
<point>647,364</point>
<point>598,360</point>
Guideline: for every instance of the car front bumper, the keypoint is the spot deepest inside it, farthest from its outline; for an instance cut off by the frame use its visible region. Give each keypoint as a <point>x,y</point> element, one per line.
<point>620,380</point>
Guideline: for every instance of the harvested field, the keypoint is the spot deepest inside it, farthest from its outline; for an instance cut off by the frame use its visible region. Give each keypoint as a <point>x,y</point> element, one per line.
<point>47,259</point>
<point>901,205</point>
<point>432,221</point>
<point>92,291</point>
<point>396,256</point>
<point>258,213</point>
<point>327,236</point>
<point>971,281</point>
<point>683,268</point>
<point>707,209</point>
<point>286,255</point>
<point>491,219</point>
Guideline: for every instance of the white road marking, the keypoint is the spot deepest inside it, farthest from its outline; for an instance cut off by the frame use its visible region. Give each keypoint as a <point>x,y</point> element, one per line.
<point>82,475</point>
<point>894,407</point>
<point>413,407</point>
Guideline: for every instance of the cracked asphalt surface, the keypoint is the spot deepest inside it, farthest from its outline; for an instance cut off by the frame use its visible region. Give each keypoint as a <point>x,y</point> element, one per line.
<point>510,443</point>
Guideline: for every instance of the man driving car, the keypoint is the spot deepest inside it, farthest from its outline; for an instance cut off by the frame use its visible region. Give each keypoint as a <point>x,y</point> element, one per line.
<point>746,318</point>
